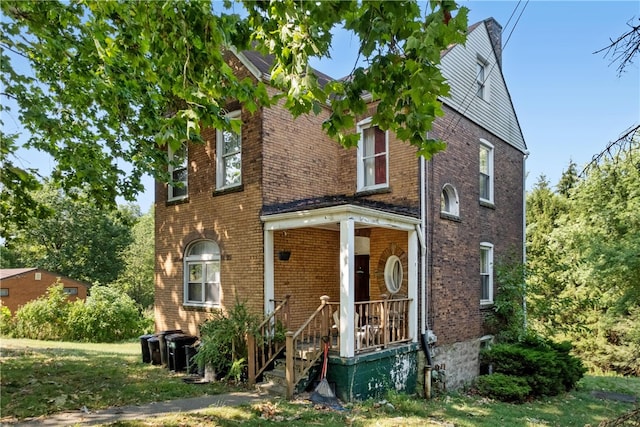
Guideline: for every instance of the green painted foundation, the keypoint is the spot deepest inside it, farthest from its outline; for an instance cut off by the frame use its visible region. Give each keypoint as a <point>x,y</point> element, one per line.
<point>372,374</point>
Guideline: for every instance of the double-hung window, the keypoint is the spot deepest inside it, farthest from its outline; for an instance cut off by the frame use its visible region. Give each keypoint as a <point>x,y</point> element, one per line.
<point>202,274</point>
<point>486,273</point>
<point>486,171</point>
<point>229,154</point>
<point>178,171</point>
<point>373,157</point>
<point>480,80</point>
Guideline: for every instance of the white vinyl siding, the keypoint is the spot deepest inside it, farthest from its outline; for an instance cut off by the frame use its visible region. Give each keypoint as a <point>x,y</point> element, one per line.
<point>459,67</point>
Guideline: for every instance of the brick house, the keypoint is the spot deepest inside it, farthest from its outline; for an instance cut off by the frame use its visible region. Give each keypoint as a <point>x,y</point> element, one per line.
<point>18,286</point>
<point>283,219</point>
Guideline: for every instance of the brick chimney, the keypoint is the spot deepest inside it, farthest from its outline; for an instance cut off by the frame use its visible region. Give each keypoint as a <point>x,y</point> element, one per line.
<point>495,35</point>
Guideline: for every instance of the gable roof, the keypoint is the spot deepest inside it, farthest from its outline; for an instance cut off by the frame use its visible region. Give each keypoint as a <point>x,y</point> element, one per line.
<point>458,65</point>
<point>6,273</point>
<point>494,113</point>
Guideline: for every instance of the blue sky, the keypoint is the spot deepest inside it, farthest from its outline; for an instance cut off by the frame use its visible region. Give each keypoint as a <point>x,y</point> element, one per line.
<point>570,102</point>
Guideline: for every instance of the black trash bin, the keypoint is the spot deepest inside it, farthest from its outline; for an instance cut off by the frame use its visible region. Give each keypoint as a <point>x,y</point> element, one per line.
<point>163,345</point>
<point>154,350</point>
<point>146,354</point>
<point>176,343</point>
<point>190,352</point>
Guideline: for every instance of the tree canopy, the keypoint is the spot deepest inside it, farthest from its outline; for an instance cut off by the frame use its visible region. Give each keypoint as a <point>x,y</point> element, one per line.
<point>109,85</point>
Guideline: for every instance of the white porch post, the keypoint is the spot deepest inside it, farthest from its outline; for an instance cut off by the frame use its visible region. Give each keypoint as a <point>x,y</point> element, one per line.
<point>269,286</point>
<point>413,283</point>
<point>347,287</point>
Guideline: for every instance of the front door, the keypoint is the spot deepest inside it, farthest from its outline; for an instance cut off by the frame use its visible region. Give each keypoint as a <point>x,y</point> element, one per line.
<point>362,278</point>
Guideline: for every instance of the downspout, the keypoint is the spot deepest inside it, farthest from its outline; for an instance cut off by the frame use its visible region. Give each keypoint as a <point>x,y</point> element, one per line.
<point>423,275</point>
<point>524,239</point>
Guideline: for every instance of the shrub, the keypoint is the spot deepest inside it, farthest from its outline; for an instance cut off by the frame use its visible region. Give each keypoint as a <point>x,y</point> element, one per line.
<point>5,320</point>
<point>547,367</point>
<point>107,315</point>
<point>44,318</point>
<point>223,344</point>
<point>507,388</point>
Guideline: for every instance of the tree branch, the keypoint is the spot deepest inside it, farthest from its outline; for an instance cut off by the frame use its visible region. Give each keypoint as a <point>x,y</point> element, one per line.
<point>630,137</point>
<point>624,48</point>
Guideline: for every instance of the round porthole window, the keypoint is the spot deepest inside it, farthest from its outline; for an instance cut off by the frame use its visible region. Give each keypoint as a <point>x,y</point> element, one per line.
<point>393,274</point>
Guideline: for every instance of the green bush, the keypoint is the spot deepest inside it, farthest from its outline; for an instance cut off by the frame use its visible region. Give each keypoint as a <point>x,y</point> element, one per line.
<point>223,344</point>
<point>507,388</point>
<point>44,318</point>
<point>107,315</point>
<point>547,367</point>
<point>5,320</point>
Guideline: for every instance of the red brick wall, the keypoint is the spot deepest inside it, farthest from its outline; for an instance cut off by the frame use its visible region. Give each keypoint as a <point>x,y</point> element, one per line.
<point>24,288</point>
<point>455,311</point>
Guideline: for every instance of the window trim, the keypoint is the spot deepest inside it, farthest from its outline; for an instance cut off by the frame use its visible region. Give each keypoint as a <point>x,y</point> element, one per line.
<point>172,168</point>
<point>393,274</point>
<point>451,193</point>
<point>490,173</point>
<point>482,79</point>
<point>361,184</point>
<point>201,259</point>
<point>221,156</point>
<point>488,247</point>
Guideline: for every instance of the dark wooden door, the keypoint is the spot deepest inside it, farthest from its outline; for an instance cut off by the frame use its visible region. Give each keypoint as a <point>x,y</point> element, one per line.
<point>362,278</point>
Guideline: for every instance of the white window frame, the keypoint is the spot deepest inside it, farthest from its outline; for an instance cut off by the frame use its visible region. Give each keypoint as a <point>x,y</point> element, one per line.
<point>486,270</point>
<point>174,167</point>
<point>362,184</point>
<point>482,79</point>
<point>222,156</point>
<point>450,195</point>
<point>486,145</point>
<point>393,274</point>
<point>208,260</point>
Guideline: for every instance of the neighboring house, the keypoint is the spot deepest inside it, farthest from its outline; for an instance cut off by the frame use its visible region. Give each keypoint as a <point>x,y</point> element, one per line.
<point>18,286</point>
<point>278,216</point>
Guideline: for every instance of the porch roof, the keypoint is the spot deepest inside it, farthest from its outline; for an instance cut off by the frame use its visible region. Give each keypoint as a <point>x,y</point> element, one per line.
<point>330,217</point>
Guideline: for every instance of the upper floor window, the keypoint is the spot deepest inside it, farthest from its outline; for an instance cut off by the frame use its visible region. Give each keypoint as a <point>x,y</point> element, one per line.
<point>486,171</point>
<point>449,200</point>
<point>178,188</point>
<point>202,274</point>
<point>229,149</point>
<point>481,80</point>
<point>486,273</point>
<point>373,157</point>
<point>4,292</point>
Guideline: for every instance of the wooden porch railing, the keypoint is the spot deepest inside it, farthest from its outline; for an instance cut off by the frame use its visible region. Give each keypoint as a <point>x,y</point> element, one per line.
<point>269,341</point>
<point>304,346</point>
<point>381,323</point>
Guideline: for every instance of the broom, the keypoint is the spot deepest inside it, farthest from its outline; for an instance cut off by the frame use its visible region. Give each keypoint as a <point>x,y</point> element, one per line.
<point>323,392</point>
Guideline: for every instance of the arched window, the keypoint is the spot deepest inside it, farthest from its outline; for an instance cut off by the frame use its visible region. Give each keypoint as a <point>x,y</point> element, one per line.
<point>393,274</point>
<point>449,200</point>
<point>202,274</point>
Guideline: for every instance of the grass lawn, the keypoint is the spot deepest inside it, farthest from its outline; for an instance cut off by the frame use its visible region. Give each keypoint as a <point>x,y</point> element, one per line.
<point>40,377</point>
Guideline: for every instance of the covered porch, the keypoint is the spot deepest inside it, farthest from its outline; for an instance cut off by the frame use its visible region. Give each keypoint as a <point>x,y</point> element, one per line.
<point>368,301</point>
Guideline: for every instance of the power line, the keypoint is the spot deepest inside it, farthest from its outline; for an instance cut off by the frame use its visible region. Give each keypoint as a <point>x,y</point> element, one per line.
<point>449,130</point>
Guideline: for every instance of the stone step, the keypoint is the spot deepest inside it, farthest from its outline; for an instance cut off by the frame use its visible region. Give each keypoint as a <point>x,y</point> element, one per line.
<point>272,389</point>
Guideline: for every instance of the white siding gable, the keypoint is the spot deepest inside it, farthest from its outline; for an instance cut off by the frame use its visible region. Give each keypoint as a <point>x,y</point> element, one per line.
<point>495,113</point>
